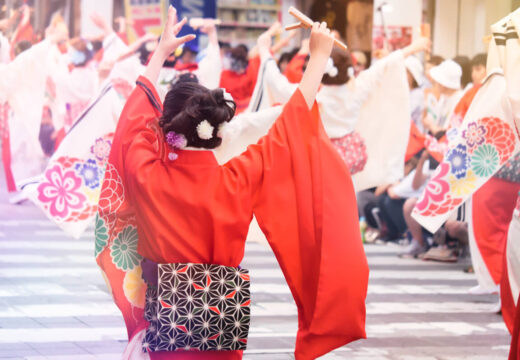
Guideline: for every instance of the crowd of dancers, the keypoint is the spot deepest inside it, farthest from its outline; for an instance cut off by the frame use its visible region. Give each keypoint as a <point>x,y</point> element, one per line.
<point>171,151</point>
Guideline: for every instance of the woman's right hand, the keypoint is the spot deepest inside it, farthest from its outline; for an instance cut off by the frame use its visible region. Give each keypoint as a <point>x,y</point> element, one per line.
<point>321,41</point>
<point>421,44</point>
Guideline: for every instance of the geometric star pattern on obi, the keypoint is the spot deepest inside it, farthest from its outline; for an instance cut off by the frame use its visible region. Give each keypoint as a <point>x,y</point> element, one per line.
<point>198,307</point>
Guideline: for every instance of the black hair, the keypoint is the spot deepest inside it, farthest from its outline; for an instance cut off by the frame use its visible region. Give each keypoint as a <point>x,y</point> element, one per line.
<point>21,46</point>
<point>239,58</point>
<point>435,60</point>
<point>96,45</point>
<point>224,45</point>
<point>187,104</point>
<point>286,56</point>
<point>83,46</point>
<point>186,77</point>
<point>465,64</point>
<point>479,60</point>
<point>414,82</point>
<point>186,50</point>
<point>433,163</point>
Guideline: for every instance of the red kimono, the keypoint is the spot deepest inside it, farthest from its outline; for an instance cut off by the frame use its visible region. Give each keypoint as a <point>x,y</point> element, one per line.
<point>187,208</point>
<point>294,70</point>
<point>241,86</point>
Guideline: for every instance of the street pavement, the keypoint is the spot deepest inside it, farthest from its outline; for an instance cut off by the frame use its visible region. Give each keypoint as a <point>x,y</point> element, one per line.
<point>55,305</point>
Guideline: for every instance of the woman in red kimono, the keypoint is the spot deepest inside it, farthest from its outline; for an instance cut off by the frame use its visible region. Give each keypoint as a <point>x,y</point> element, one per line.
<point>170,203</point>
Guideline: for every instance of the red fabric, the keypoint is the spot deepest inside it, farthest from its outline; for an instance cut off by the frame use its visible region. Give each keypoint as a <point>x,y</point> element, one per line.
<point>6,147</point>
<point>241,86</point>
<point>294,70</point>
<point>493,206</point>
<point>415,142</point>
<point>315,238</point>
<point>23,32</point>
<point>186,67</point>
<point>59,138</point>
<point>98,56</point>
<point>462,106</point>
<point>514,351</point>
<point>506,297</point>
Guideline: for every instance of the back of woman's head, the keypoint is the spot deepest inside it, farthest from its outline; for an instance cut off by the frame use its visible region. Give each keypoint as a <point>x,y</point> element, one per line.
<point>342,62</point>
<point>239,58</point>
<point>197,113</point>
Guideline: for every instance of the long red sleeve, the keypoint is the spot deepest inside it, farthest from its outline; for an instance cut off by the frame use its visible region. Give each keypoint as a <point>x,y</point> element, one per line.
<point>306,207</point>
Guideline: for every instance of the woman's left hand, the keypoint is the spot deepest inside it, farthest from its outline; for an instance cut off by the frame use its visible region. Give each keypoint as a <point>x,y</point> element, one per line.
<point>169,41</point>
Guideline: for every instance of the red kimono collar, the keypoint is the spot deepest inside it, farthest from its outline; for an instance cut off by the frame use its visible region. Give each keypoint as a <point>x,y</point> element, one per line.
<point>195,157</point>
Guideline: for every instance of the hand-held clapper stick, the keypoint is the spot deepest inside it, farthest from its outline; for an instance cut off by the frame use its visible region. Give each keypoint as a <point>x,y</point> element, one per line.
<point>305,22</point>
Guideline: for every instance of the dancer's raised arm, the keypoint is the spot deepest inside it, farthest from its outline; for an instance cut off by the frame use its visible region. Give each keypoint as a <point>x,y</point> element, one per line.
<point>167,45</point>
<point>321,43</point>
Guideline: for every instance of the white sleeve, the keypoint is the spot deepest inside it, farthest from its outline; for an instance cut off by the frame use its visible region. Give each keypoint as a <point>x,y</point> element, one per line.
<point>279,87</point>
<point>210,67</point>
<point>272,87</point>
<point>5,49</point>
<point>30,66</point>
<point>243,130</point>
<point>369,79</point>
<point>113,47</point>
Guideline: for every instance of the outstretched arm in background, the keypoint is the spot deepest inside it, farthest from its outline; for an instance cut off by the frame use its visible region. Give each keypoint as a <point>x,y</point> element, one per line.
<point>168,43</point>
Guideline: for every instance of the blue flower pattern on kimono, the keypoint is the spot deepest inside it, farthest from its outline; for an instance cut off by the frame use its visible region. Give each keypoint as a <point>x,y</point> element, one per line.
<point>90,173</point>
<point>459,160</point>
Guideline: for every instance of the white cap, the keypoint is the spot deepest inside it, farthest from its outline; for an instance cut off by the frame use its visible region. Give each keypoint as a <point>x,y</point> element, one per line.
<point>415,67</point>
<point>448,74</point>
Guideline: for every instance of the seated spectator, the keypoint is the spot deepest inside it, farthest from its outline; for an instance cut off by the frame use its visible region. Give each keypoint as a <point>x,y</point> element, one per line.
<point>386,212</point>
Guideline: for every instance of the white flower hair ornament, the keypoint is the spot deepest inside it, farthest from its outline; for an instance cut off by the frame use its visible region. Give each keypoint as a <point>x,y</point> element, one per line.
<point>205,130</point>
<point>227,95</point>
<point>331,70</point>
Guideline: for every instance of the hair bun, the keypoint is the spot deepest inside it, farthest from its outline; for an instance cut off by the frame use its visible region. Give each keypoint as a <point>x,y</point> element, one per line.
<point>199,116</point>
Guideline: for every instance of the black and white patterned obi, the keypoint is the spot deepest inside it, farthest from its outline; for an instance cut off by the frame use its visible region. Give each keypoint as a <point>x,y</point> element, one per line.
<point>198,307</point>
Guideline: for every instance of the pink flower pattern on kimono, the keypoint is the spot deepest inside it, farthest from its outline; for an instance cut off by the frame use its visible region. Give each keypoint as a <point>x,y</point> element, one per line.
<point>474,135</point>
<point>436,189</point>
<point>101,149</point>
<point>61,192</point>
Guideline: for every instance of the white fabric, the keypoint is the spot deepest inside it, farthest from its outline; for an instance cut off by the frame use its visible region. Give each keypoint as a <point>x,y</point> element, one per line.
<point>440,110</point>
<point>5,50</point>
<point>79,85</point>
<point>99,120</point>
<point>22,85</point>
<point>512,68</point>
<point>210,67</point>
<point>417,107</point>
<point>490,101</point>
<point>513,255</point>
<point>134,349</point>
<point>376,104</point>
<point>385,126</point>
<point>243,130</point>
<point>405,189</point>
<point>415,67</point>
